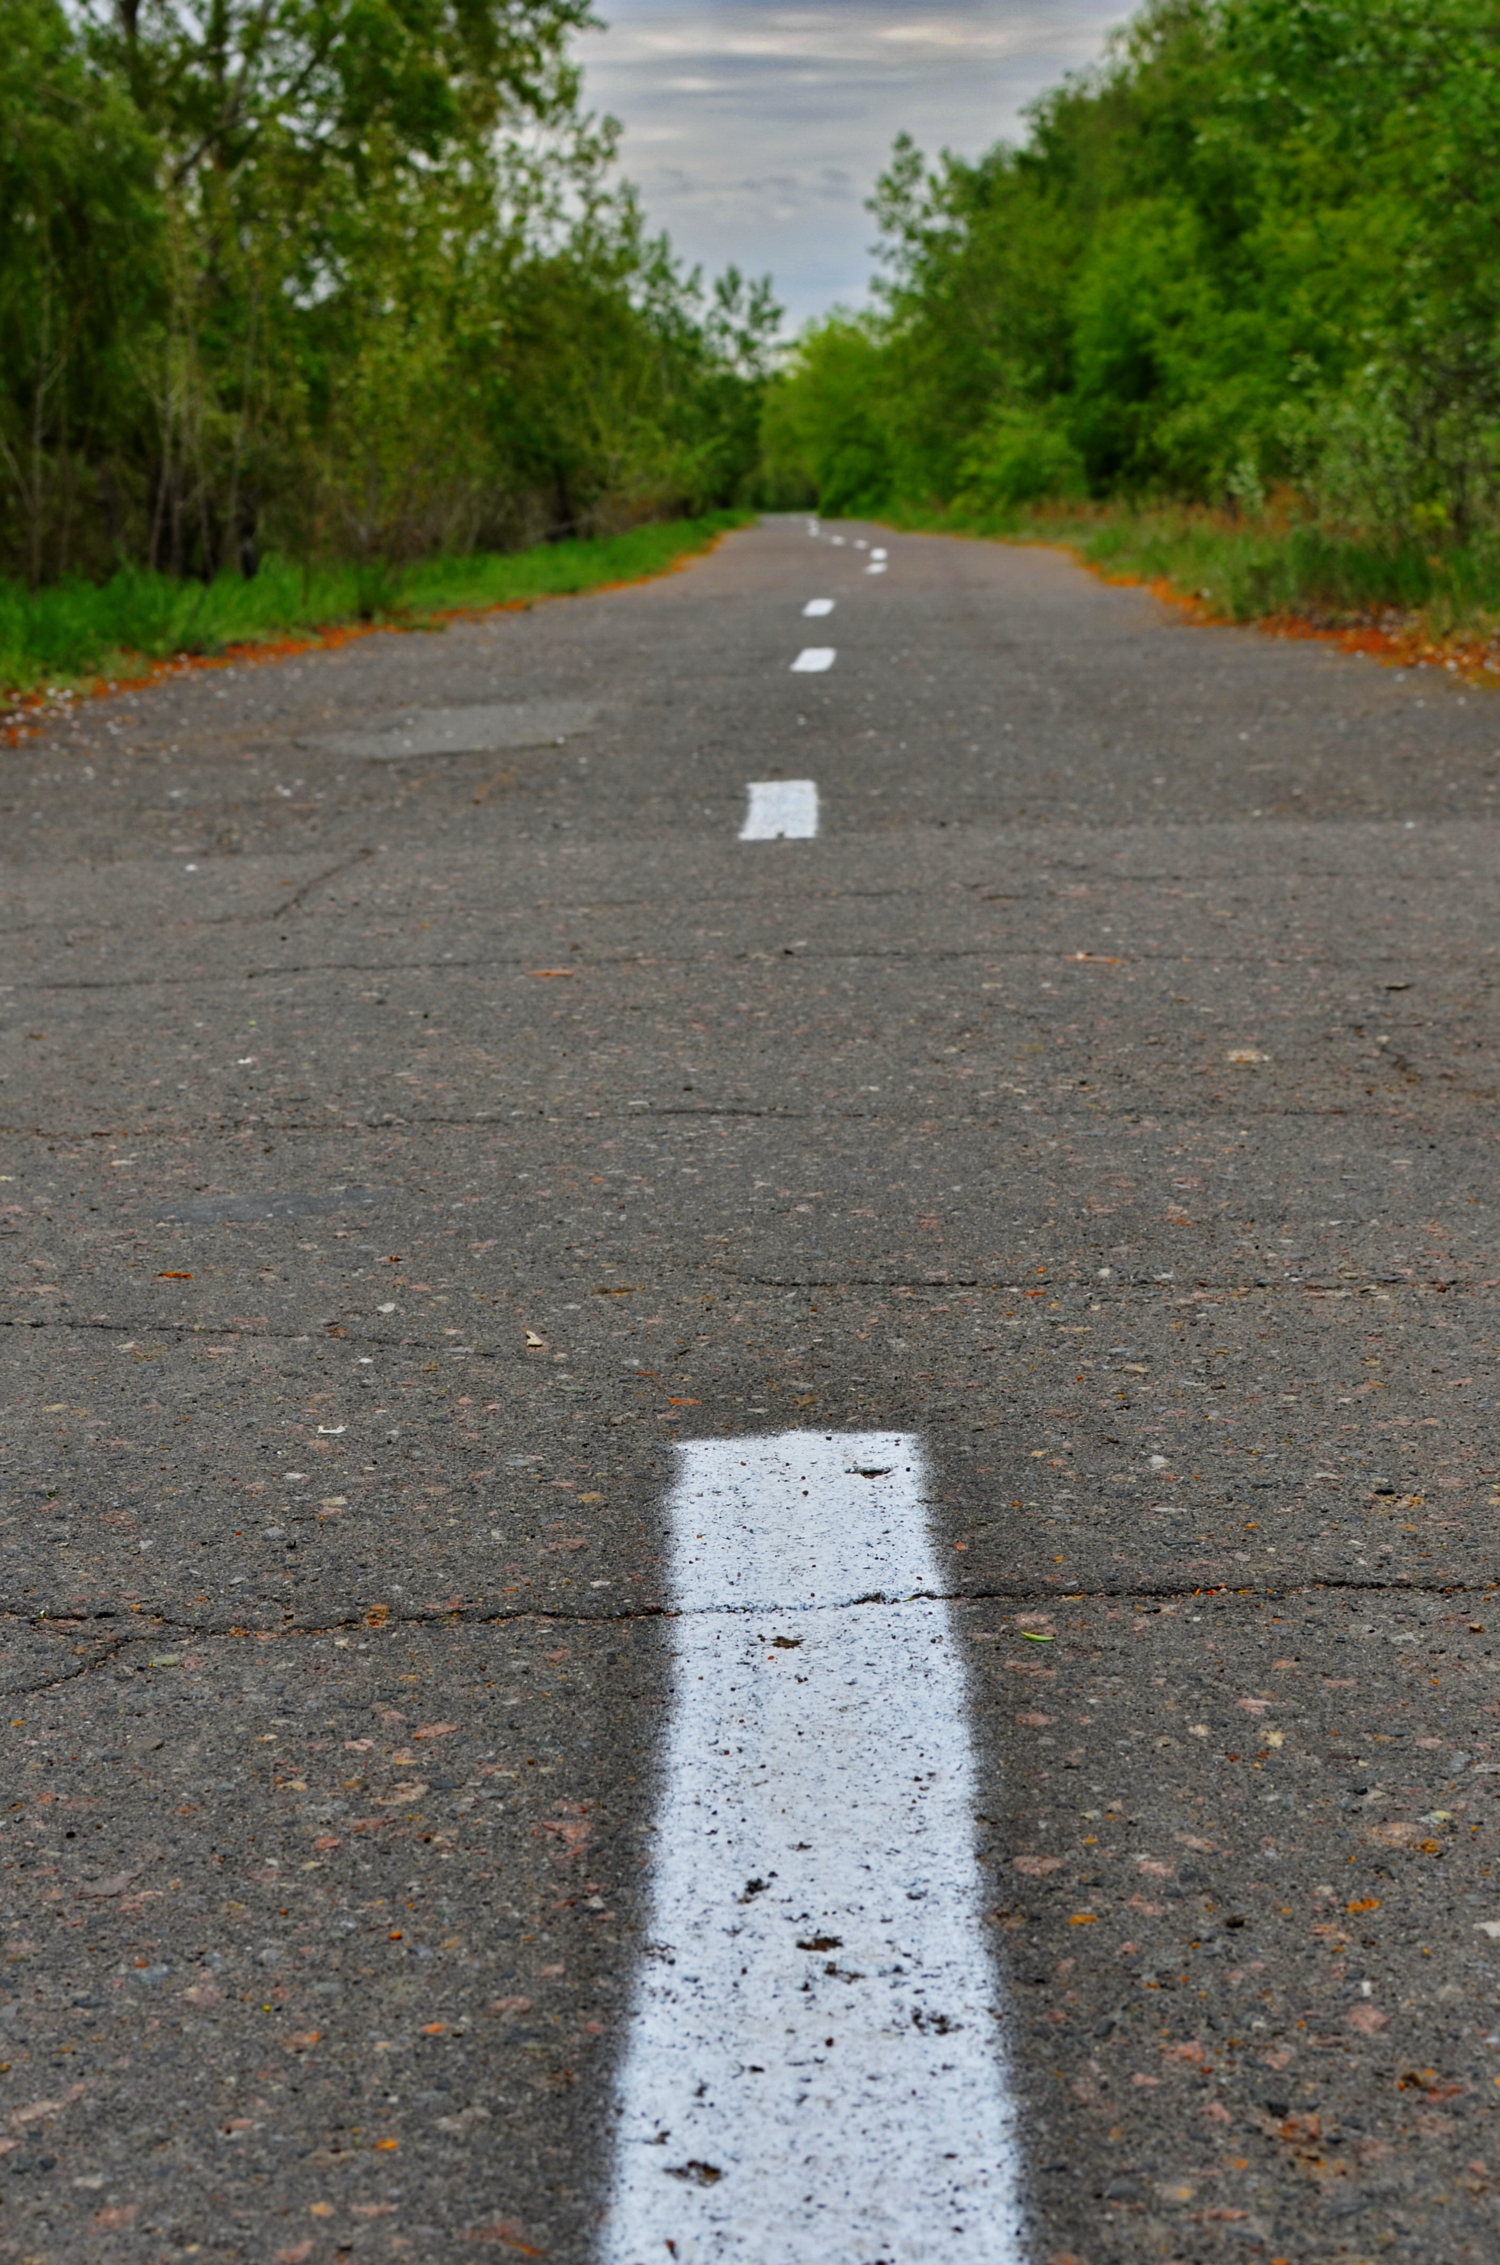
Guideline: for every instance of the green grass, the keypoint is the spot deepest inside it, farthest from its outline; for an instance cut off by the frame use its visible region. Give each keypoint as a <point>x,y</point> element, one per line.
<point>78,630</point>
<point>1247,568</point>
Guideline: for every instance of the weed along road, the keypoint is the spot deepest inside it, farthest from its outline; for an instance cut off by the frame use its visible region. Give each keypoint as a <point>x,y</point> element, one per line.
<point>751,1480</point>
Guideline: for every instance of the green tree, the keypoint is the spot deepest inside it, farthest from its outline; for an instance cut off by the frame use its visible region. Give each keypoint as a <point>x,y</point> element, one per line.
<point>1258,243</point>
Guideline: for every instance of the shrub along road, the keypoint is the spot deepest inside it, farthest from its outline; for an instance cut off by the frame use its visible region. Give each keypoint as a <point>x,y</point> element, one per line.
<point>413,1131</point>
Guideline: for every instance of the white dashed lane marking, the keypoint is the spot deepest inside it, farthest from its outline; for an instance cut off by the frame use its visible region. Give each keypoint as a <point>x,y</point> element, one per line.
<point>813,659</point>
<point>780,810</point>
<point>815,608</point>
<point>814,2073</point>
<point>877,568</point>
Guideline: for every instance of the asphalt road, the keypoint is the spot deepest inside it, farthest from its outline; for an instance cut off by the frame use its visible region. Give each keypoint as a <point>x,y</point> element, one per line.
<point>404,1150</point>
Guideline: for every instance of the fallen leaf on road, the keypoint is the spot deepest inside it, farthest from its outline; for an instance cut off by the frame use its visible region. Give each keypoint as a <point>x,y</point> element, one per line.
<point>1428,2080</point>
<point>1368,2020</point>
<point>533,1339</point>
<point>1033,1867</point>
<point>434,1730</point>
<point>506,2235</point>
<point>573,1832</point>
<point>552,974</point>
<point>40,2108</point>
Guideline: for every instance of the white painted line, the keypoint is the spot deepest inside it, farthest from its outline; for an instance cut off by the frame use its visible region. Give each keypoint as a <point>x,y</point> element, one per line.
<point>813,659</point>
<point>815,607</point>
<point>860,544</point>
<point>837,542</point>
<point>877,568</point>
<point>781,810</point>
<point>877,554</point>
<point>814,2073</point>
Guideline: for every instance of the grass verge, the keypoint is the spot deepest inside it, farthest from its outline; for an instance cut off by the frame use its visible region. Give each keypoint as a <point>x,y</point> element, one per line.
<point>75,631</point>
<point>1396,599</point>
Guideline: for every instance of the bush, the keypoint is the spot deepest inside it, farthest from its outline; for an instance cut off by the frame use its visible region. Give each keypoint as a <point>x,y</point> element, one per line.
<point>1019,459</point>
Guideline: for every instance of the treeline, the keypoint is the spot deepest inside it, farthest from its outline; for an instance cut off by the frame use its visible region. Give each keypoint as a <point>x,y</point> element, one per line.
<point>339,279</point>
<point>1257,251</point>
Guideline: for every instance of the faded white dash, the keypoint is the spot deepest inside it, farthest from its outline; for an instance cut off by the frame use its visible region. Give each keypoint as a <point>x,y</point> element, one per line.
<point>815,608</point>
<point>814,2073</point>
<point>813,659</point>
<point>780,810</point>
<point>877,568</point>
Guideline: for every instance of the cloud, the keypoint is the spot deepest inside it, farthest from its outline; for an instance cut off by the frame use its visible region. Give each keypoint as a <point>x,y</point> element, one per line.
<point>779,118</point>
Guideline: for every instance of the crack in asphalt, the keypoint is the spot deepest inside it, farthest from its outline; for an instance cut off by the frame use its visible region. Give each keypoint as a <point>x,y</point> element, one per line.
<point>294,902</point>
<point>338,1327</point>
<point>112,1644</point>
<point>1165,1118</point>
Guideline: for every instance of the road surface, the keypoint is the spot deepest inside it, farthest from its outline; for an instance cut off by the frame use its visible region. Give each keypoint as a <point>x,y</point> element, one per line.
<point>561,1173</point>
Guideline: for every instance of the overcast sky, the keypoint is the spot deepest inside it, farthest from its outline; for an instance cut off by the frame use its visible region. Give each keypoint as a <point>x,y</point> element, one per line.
<point>755,130</point>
